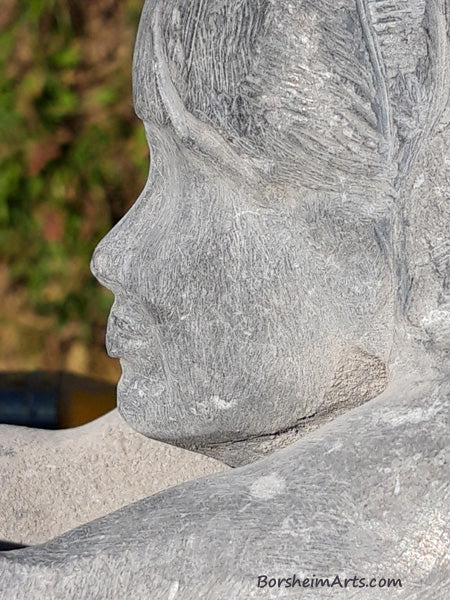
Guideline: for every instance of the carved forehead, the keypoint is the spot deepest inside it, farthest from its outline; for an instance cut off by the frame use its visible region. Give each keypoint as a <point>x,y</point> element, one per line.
<point>209,47</point>
<point>292,79</point>
<point>219,51</point>
<point>263,74</point>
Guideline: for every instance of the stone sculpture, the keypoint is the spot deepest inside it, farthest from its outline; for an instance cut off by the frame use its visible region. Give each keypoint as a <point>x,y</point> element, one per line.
<point>283,280</point>
<point>57,480</point>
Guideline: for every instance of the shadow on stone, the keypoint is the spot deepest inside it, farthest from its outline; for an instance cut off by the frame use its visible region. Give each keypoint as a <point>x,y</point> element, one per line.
<point>4,545</point>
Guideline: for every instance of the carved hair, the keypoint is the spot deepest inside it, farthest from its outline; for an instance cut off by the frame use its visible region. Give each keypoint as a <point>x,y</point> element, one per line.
<point>244,80</point>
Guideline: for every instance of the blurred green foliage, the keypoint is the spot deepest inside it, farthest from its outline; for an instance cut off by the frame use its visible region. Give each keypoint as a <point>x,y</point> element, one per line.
<point>72,154</point>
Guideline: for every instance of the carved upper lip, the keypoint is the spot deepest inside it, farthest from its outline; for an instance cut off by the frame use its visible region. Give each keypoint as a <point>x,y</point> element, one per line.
<point>128,331</point>
<point>120,346</point>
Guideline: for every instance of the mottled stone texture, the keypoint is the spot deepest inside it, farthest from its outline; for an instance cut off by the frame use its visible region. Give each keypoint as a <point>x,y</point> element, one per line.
<point>362,495</point>
<point>283,280</point>
<point>56,480</point>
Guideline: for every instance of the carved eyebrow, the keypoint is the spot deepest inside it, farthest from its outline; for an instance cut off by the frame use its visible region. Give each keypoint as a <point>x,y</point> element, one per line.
<point>191,130</point>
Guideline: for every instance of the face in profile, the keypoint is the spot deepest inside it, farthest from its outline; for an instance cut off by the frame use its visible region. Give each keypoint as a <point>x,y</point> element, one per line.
<point>252,276</point>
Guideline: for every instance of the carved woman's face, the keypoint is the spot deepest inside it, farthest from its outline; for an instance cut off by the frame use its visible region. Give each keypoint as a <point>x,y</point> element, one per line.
<point>251,279</point>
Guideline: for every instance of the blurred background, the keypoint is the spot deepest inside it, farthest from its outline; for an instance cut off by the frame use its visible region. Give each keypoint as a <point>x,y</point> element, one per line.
<point>73,158</point>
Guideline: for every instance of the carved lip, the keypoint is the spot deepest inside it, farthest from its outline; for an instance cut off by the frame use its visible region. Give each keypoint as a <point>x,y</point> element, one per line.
<point>119,345</point>
<point>126,335</point>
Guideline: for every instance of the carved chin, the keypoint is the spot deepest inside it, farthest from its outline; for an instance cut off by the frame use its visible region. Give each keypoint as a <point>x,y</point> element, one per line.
<point>147,405</point>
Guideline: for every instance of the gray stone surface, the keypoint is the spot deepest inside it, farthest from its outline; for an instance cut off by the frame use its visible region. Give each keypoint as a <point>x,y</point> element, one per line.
<point>362,496</point>
<point>283,280</point>
<point>56,480</point>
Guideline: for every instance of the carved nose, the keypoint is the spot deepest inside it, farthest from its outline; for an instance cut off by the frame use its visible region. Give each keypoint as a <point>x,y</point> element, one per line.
<point>112,260</point>
<point>101,265</point>
<point>117,259</point>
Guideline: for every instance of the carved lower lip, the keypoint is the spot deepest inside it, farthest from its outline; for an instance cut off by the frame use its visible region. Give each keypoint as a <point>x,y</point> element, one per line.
<point>125,329</point>
<point>136,357</point>
<point>119,345</point>
<point>129,364</point>
<point>133,376</point>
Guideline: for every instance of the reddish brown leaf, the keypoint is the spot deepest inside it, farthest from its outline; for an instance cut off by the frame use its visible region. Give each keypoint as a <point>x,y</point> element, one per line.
<point>40,154</point>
